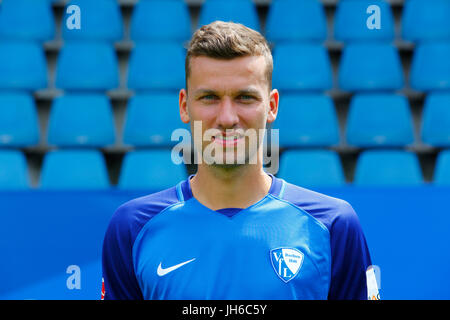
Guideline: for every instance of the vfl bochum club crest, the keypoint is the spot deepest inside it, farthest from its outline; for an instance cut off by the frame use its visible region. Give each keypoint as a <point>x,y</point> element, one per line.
<point>286,262</point>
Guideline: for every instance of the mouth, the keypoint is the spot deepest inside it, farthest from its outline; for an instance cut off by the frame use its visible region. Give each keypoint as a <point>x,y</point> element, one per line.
<point>228,139</point>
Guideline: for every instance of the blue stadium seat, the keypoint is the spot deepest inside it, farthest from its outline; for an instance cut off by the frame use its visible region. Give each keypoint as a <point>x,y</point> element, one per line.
<point>22,66</point>
<point>442,169</point>
<point>350,21</point>
<point>436,120</point>
<point>156,66</point>
<point>312,168</point>
<point>370,66</point>
<point>100,20</point>
<point>377,120</point>
<point>13,170</point>
<point>430,68</point>
<point>27,20</point>
<point>302,67</point>
<point>152,170</point>
<point>18,120</point>
<point>307,120</point>
<point>424,20</point>
<point>388,168</point>
<point>293,20</point>
<point>151,119</point>
<point>87,66</point>
<point>160,20</point>
<point>81,120</point>
<point>74,169</point>
<point>240,11</point>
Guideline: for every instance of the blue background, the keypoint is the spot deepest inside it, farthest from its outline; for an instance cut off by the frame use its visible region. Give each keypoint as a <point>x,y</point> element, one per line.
<point>43,232</point>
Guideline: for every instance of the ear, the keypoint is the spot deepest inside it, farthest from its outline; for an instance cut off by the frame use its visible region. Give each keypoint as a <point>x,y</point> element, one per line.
<point>182,101</point>
<point>274,99</point>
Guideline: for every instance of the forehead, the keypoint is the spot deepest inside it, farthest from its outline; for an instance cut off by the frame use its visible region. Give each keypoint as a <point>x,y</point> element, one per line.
<point>222,73</point>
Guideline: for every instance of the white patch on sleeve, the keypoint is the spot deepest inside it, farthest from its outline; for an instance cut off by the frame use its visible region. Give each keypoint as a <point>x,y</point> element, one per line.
<point>372,285</point>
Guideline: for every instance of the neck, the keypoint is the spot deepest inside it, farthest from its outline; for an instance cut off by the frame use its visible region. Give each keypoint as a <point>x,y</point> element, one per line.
<point>237,187</point>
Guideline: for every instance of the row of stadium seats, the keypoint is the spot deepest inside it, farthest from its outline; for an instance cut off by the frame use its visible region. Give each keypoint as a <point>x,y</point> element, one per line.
<point>86,120</point>
<point>160,66</point>
<point>87,64</point>
<point>287,20</point>
<point>143,169</point>
<point>374,120</point>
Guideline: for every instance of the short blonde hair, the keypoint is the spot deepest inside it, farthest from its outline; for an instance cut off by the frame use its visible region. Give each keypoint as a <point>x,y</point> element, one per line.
<point>228,40</point>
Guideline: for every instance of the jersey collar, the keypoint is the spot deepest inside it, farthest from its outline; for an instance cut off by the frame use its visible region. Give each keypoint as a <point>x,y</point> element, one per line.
<point>276,188</point>
<point>185,193</point>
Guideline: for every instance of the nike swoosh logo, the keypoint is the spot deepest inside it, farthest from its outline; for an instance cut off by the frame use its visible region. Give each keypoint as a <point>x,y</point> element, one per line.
<point>163,271</point>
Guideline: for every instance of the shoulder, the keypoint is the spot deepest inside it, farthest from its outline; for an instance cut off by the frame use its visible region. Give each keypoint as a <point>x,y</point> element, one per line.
<point>332,212</point>
<point>349,252</point>
<point>131,216</point>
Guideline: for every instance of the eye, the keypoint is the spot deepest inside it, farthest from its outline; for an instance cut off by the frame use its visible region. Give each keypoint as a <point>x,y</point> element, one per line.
<point>208,97</point>
<point>246,97</point>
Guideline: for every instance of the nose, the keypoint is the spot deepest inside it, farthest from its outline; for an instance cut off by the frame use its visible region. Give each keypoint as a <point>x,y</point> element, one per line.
<point>227,117</point>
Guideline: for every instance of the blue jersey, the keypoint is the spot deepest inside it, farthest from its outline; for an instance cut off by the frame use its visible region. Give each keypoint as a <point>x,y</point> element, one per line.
<point>292,244</point>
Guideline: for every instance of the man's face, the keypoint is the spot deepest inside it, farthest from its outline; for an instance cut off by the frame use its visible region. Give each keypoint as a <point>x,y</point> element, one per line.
<point>230,96</point>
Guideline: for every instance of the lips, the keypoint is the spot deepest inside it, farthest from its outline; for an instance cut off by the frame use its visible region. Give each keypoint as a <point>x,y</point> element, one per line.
<point>228,139</point>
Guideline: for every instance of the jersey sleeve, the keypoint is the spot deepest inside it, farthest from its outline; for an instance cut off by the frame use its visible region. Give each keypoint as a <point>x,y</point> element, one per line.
<point>350,256</point>
<point>119,279</point>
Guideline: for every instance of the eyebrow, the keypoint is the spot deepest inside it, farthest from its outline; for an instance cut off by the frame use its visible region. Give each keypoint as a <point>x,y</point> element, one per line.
<point>200,92</point>
<point>249,91</point>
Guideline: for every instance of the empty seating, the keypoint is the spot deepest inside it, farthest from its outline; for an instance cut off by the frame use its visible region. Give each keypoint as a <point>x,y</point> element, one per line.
<point>22,65</point>
<point>160,20</point>
<point>302,67</point>
<point>430,67</point>
<point>307,120</point>
<point>151,119</point>
<point>86,63</point>
<point>81,120</point>
<point>100,20</point>
<point>240,11</point>
<point>351,17</point>
<point>379,120</point>
<point>18,120</point>
<point>152,170</point>
<point>442,169</point>
<point>26,20</point>
<point>424,20</point>
<point>436,120</point>
<point>293,20</point>
<point>87,66</point>
<point>74,169</point>
<point>312,168</point>
<point>156,66</point>
<point>388,168</point>
<point>370,66</point>
<point>13,170</point>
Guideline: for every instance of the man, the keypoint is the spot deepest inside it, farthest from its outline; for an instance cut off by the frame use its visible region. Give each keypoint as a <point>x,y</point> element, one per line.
<point>231,231</point>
